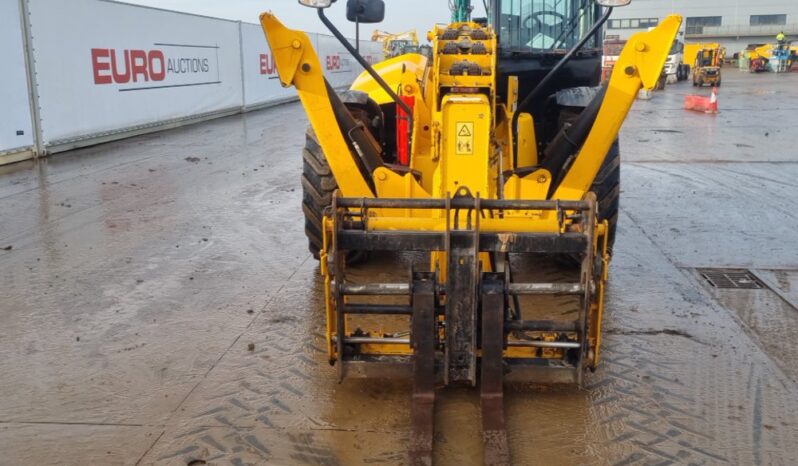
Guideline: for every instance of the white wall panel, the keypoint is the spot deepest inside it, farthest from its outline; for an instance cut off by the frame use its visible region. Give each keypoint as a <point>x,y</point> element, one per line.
<point>340,66</point>
<point>105,70</point>
<point>372,51</point>
<point>103,66</point>
<point>16,132</point>
<point>261,84</point>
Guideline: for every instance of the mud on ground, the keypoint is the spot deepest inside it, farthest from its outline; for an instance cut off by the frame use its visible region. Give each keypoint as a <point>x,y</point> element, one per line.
<point>159,306</point>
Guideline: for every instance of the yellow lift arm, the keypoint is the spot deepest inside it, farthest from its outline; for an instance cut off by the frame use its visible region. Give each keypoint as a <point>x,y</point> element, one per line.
<point>639,66</point>
<point>298,65</point>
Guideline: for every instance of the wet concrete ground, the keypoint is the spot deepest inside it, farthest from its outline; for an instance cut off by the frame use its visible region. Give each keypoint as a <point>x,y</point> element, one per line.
<point>138,275</point>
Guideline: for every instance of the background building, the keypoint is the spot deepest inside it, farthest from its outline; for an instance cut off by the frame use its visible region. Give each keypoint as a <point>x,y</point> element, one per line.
<point>733,23</point>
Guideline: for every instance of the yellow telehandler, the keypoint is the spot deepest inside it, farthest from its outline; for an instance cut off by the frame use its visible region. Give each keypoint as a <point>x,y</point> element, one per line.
<point>486,160</point>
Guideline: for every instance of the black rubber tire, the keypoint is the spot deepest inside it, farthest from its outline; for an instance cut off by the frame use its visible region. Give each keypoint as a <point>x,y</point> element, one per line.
<point>685,72</point>
<point>479,34</point>
<point>318,185</point>
<point>661,83</point>
<point>607,188</point>
<point>450,34</point>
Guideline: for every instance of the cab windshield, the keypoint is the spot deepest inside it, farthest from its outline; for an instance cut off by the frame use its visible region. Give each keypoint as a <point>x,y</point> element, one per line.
<point>676,47</point>
<point>536,25</point>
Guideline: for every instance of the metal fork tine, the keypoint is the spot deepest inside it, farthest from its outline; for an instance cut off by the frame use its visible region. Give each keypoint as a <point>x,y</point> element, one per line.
<point>494,435</point>
<point>423,341</point>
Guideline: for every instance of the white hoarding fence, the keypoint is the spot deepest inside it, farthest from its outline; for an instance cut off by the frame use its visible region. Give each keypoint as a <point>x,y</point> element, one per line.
<point>371,51</point>
<point>261,83</point>
<point>103,70</point>
<point>340,67</point>
<point>16,131</point>
<point>105,67</point>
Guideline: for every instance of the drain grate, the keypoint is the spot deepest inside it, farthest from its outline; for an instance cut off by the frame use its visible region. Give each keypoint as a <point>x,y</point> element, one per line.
<point>731,279</point>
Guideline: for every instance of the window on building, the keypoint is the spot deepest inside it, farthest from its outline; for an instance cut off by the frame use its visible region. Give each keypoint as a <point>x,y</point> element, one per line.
<point>633,23</point>
<point>766,20</point>
<point>696,24</point>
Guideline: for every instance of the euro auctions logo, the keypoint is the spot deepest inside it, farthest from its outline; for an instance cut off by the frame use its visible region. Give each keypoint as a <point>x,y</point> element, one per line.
<point>169,65</point>
<point>267,65</point>
<point>136,66</point>
<point>338,63</point>
<point>333,62</point>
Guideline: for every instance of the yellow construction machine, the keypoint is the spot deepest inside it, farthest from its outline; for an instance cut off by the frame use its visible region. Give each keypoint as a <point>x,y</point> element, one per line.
<point>706,69</point>
<point>479,164</point>
<point>396,44</point>
<point>691,51</point>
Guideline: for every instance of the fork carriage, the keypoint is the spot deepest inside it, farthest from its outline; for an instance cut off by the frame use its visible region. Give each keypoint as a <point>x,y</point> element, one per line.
<point>467,234</point>
<point>465,317</point>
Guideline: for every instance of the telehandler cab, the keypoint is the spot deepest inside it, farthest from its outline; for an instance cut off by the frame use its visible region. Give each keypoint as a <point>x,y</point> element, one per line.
<point>496,153</point>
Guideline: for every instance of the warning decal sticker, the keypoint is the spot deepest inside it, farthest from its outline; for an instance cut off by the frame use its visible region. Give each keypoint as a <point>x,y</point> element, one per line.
<point>465,138</point>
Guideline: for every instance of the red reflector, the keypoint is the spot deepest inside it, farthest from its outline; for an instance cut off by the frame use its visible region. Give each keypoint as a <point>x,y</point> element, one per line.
<point>402,125</point>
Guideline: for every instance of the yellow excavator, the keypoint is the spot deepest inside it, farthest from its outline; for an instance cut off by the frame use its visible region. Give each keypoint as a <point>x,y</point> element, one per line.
<point>485,165</point>
<point>396,44</point>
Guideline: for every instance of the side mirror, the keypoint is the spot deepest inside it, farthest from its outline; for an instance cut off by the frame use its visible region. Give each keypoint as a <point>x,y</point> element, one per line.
<point>365,11</point>
<point>316,3</point>
<point>610,3</point>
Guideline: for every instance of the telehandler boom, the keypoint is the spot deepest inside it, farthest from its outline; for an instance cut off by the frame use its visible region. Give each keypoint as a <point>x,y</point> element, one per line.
<point>498,153</point>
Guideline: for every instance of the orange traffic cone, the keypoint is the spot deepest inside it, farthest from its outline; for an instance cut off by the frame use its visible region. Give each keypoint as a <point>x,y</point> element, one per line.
<point>713,101</point>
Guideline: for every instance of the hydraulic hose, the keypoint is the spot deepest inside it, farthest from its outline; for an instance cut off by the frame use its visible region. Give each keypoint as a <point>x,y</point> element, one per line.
<point>569,139</point>
<point>367,66</point>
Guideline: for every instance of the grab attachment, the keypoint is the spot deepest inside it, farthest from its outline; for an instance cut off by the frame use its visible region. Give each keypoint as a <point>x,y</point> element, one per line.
<point>462,328</point>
